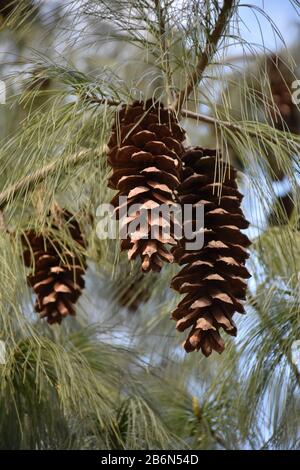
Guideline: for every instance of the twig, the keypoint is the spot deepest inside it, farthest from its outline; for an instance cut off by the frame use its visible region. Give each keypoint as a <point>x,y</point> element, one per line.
<point>25,183</point>
<point>184,113</point>
<point>204,118</point>
<point>165,49</point>
<point>209,51</point>
<point>217,122</point>
<point>213,433</point>
<point>94,100</point>
<point>214,121</point>
<point>191,115</point>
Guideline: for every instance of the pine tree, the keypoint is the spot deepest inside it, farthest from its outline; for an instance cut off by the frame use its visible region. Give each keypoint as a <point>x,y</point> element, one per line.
<point>105,379</point>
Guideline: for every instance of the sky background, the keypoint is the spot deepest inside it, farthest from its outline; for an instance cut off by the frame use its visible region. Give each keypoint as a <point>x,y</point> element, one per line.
<point>284,15</point>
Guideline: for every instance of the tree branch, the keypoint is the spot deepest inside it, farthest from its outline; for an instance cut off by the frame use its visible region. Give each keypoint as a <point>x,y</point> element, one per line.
<point>26,183</point>
<point>184,112</point>
<point>161,17</point>
<point>217,122</point>
<point>209,51</point>
<point>188,114</point>
<point>214,121</point>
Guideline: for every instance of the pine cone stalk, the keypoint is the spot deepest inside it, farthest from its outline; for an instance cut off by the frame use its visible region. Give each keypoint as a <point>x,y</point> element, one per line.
<point>144,153</point>
<point>56,271</point>
<point>213,277</point>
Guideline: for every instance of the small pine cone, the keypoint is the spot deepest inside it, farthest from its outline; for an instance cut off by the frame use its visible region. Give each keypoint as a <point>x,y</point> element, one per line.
<point>57,277</point>
<point>144,153</point>
<point>213,277</point>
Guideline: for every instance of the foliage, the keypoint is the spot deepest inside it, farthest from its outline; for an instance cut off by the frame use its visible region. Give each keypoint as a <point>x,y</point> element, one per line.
<point>113,378</point>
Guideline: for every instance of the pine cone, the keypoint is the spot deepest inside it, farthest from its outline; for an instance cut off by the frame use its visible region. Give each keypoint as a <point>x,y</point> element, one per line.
<point>286,116</point>
<point>144,153</point>
<point>213,277</point>
<point>57,277</point>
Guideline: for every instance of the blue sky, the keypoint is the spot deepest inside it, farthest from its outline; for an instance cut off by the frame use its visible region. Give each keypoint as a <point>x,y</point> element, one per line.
<point>283,13</point>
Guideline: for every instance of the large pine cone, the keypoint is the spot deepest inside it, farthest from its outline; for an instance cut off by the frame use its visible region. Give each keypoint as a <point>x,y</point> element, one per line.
<point>144,153</point>
<point>213,277</point>
<point>57,277</point>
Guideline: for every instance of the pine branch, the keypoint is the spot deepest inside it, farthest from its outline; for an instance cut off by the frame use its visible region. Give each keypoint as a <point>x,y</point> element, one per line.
<point>30,180</point>
<point>164,48</point>
<point>204,118</point>
<point>219,440</point>
<point>184,112</point>
<point>94,100</point>
<point>229,125</point>
<point>208,53</point>
<point>26,183</point>
<point>216,437</point>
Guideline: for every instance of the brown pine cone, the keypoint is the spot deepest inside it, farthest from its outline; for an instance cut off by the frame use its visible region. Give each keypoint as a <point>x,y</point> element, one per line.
<point>286,114</point>
<point>144,152</point>
<point>213,277</point>
<point>57,277</point>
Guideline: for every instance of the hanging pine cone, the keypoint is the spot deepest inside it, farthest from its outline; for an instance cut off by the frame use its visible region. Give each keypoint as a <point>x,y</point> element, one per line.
<point>57,277</point>
<point>144,153</point>
<point>285,115</point>
<point>213,277</point>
